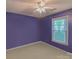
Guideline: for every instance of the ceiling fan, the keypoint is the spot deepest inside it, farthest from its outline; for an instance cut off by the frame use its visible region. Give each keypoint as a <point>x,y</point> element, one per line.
<point>41,7</point>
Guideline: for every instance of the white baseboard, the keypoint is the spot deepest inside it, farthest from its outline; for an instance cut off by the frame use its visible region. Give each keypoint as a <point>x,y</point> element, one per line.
<point>37,43</point>
<point>23,46</point>
<point>56,47</point>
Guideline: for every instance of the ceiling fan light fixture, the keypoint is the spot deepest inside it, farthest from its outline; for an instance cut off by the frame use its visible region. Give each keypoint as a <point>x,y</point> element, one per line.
<point>41,8</point>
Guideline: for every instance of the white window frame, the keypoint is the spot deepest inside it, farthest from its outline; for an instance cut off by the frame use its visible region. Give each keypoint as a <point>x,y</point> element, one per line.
<point>66,32</point>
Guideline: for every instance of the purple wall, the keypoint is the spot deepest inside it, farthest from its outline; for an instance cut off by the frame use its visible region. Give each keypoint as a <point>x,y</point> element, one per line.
<point>26,29</point>
<point>21,30</point>
<point>46,31</point>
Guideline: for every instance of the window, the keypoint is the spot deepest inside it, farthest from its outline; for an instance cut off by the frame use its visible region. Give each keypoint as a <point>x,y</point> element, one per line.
<point>60,30</point>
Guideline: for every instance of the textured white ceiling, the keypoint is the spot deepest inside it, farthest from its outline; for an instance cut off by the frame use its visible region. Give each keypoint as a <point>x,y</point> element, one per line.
<point>27,7</point>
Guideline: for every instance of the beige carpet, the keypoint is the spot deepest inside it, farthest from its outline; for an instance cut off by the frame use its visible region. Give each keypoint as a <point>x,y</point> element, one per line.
<point>37,51</point>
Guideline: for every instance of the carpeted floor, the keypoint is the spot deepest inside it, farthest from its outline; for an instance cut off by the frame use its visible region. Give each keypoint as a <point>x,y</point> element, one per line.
<point>37,51</point>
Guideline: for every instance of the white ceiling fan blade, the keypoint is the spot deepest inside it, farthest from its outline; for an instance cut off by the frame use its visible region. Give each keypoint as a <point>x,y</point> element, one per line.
<point>51,8</point>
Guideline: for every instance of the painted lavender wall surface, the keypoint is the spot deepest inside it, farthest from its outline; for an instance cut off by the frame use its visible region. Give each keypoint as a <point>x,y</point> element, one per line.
<point>46,30</point>
<point>25,29</point>
<point>21,30</point>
